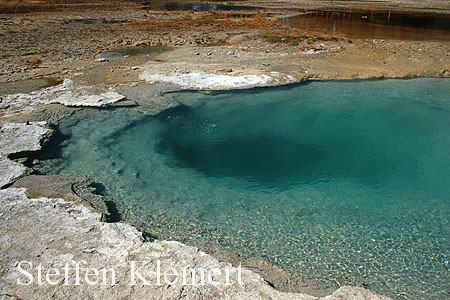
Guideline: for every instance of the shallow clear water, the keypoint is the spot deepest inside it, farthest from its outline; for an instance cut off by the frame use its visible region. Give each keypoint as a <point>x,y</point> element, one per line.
<point>344,182</point>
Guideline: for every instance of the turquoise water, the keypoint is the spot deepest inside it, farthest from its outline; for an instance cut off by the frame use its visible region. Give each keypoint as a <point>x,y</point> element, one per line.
<point>342,182</point>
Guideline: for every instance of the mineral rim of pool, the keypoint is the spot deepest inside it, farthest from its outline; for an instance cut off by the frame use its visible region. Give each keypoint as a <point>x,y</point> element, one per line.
<point>344,182</point>
<point>375,24</point>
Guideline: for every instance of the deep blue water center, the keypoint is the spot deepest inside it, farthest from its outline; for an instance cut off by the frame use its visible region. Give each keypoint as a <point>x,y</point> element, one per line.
<point>344,182</point>
<point>285,144</point>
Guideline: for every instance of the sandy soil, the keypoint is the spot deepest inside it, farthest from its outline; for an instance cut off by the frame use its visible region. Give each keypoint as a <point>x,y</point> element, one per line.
<point>42,44</point>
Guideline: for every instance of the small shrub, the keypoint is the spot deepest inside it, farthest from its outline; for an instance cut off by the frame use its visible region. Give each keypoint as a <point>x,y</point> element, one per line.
<point>295,37</point>
<point>33,62</point>
<point>211,19</point>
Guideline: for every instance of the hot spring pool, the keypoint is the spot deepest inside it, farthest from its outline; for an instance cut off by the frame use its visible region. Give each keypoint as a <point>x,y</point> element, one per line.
<point>344,182</point>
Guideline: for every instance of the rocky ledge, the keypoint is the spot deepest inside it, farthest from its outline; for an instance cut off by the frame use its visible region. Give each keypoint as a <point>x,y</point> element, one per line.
<point>66,94</point>
<point>17,138</point>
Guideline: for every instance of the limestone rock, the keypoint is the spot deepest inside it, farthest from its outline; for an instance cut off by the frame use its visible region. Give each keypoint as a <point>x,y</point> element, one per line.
<point>205,81</point>
<point>103,99</point>
<point>65,93</point>
<point>9,171</point>
<point>16,138</point>
<point>22,137</point>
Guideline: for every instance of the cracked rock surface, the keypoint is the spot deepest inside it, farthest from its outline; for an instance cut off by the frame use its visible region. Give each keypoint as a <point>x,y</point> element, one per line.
<point>9,170</point>
<point>65,93</point>
<point>17,138</point>
<point>21,137</point>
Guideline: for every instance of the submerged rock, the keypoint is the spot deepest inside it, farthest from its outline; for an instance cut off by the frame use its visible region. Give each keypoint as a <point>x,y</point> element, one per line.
<point>70,187</point>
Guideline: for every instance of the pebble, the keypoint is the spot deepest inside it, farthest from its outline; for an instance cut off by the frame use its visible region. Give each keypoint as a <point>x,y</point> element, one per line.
<point>101,59</point>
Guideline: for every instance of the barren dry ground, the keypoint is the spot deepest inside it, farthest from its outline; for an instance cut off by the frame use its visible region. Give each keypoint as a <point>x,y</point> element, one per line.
<point>38,42</point>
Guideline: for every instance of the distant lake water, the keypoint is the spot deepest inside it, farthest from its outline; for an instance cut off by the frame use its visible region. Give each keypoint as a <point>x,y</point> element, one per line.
<point>375,24</point>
